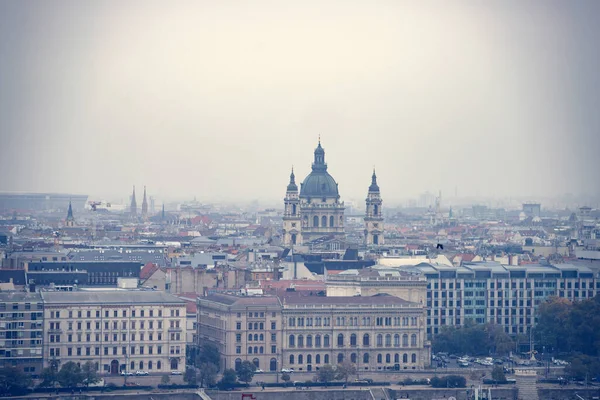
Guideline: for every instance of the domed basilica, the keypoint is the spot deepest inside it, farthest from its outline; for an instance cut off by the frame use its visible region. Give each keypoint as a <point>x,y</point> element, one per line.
<point>318,213</point>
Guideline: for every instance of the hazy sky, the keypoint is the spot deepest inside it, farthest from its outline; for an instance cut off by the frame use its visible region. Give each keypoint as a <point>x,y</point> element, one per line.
<point>218,99</point>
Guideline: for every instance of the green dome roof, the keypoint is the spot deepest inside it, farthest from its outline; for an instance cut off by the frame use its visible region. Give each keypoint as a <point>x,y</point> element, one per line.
<point>319,183</point>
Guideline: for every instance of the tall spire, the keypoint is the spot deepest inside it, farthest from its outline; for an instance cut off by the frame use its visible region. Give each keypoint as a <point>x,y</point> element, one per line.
<point>70,218</point>
<point>374,186</point>
<point>144,205</point>
<point>319,163</point>
<point>292,187</point>
<point>133,203</point>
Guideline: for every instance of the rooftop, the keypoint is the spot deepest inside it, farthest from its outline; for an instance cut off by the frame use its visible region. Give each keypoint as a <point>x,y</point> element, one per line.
<point>111,297</point>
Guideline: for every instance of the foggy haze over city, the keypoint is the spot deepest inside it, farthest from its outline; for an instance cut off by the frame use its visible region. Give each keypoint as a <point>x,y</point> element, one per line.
<point>219,99</point>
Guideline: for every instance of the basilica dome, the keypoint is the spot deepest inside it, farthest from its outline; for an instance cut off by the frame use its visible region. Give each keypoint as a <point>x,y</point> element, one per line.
<point>319,184</point>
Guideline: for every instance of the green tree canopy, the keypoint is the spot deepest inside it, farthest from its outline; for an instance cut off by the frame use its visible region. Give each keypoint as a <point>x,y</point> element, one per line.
<point>207,375</point>
<point>70,375</point>
<point>90,375</point>
<point>14,382</point>
<point>209,353</point>
<point>246,371</point>
<point>326,374</point>
<point>473,339</point>
<point>498,374</point>
<point>190,377</point>
<point>228,379</point>
<point>49,377</point>
<point>345,370</point>
<point>165,380</point>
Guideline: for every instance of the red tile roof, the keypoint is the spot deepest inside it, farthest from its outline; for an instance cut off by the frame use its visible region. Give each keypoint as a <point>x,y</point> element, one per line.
<point>148,270</point>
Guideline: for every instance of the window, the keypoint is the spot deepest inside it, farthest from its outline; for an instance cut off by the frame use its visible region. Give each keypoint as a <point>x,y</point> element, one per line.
<point>397,340</point>
<point>366,358</point>
<point>340,340</point>
<point>379,358</point>
<point>366,339</point>
<point>326,359</point>
<point>318,341</point>
<point>413,340</point>
<point>291,358</point>
<point>413,358</point>
<point>273,325</point>
<point>388,340</point>
<point>273,349</point>
<point>405,340</point>
<point>300,341</point>
<point>326,341</point>
<point>380,340</point>
<point>353,340</point>
<point>309,341</point>
<point>292,341</point>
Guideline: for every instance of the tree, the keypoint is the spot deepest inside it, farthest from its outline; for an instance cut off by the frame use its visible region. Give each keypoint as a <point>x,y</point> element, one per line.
<point>70,375</point>
<point>245,372</point>
<point>326,374</point>
<point>209,353</point>
<point>190,377</point>
<point>345,370</point>
<point>165,380</point>
<point>90,375</point>
<point>285,377</point>
<point>498,374</point>
<point>49,377</point>
<point>228,379</point>
<point>450,381</point>
<point>207,375</point>
<point>583,367</point>
<point>13,381</point>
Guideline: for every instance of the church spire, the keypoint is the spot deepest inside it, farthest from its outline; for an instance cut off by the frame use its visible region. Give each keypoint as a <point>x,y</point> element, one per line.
<point>70,218</point>
<point>374,186</point>
<point>292,187</point>
<point>133,203</point>
<point>319,163</point>
<point>144,205</point>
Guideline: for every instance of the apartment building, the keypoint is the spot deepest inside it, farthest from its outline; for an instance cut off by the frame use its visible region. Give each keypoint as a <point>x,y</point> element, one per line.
<point>117,330</point>
<point>379,332</point>
<point>21,331</point>
<point>482,291</point>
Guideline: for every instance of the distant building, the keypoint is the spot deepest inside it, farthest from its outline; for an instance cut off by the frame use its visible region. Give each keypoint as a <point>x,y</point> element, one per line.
<point>21,331</point>
<point>70,221</point>
<point>373,215</point>
<point>117,330</point>
<point>532,210</point>
<point>376,333</point>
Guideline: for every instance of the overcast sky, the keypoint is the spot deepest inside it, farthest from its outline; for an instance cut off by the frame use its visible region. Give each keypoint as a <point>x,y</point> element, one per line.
<point>217,99</point>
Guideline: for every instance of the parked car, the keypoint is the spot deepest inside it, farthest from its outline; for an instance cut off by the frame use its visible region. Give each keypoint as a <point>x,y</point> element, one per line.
<point>287,370</point>
<point>258,371</point>
<point>141,373</point>
<point>126,373</point>
<point>176,373</point>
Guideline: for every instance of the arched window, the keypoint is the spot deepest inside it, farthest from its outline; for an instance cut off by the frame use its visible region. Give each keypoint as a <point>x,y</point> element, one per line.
<point>413,358</point>
<point>149,364</point>
<point>318,359</point>
<point>366,358</point>
<point>142,365</point>
<point>256,326</point>
<point>353,358</point>
<point>309,359</point>
<point>396,358</point>
<point>318,341</point>
<point>331,221</point>
<point>326,359</point>
<point>353,340</point>
<point>292,322</point>
<point>375,209</point>
<point>249,349</point>
<point>158,365</point>
<point>324,221</point>
<point>250,337</point>
<point>255,362</point>
<point>388,358</point>
<point>293,238</point>
<point>388,340</point>
<point>261,326</point>
<point>340,358</point>
<point>380,340</point>
<point>256,337</point>
<point>300,359</point>
<point>316,221</point>
<point>273,365</point>
<point>292,341</point>
<point>261,350</point>
<point>238,363</point>
<point>309,341</point>
<point>366,339</point>
<point>397,340</point>
<point>379,358</point>
<point>326,341</point>
<point>405,340</point>
<point>255,349</point>
<point>340,340</point>
<point>405,358</point>
<point>413,340</point>
<point>291,358</point>
<point>300,341</point>
<point>293,209</point>
<point>261,337</point>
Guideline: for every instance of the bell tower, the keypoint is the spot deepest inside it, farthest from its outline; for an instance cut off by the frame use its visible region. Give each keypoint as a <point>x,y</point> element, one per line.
<point>292,229</point>
<point>70,222</point>
<point>373,215</point>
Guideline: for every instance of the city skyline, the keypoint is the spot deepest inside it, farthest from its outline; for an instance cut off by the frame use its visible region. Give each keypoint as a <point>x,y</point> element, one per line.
<point>219,101</point>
